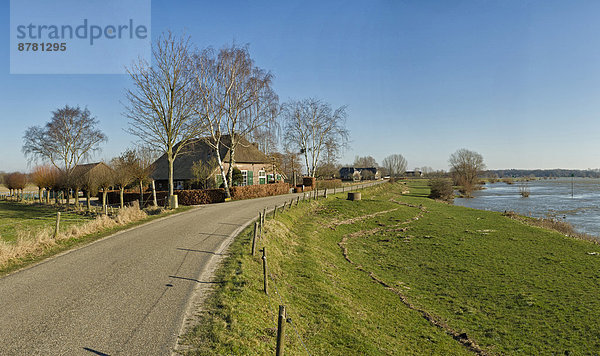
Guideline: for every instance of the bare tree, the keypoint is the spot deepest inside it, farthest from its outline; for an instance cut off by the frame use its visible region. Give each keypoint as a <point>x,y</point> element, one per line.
<point>365,162</point>
<point>310,126</point>
<point>395,164</point>
<point>44,177</point>
<point>162,102</point>
<point>16,182</point>
<point>203,171</point>
<point>234,97</point>
<point>125,167</point>
<point>68,139</point>
<point>144,157</point>
<point>465,167</point>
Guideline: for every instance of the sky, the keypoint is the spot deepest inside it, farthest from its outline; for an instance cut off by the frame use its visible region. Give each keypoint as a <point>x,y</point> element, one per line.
<point>516,81</point>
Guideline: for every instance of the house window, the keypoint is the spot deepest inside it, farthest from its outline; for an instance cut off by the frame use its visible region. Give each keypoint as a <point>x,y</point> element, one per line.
<point>262,177</point>
<point>244,178</point>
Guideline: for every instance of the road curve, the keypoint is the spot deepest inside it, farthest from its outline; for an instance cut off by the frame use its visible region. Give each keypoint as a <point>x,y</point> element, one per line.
<point>124,295</point>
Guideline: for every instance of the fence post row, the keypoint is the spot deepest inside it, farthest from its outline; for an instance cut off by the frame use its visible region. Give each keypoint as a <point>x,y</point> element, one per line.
<point>264,259</point>
<point>254,238</point>
<point>57,227</point>
<point>280,331</point>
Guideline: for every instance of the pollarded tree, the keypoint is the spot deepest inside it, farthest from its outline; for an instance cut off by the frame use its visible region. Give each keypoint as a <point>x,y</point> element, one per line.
<point>44,177</point>
<point>162,102</point>
<point>466,166</point>
<point>125,167</point>
<point>16,182</point>
<point>70,137</point>
<point>395,164</point>
<point>310,125</point>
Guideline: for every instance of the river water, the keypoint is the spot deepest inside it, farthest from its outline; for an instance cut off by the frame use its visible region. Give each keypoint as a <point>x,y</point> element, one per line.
<point>548,198</point>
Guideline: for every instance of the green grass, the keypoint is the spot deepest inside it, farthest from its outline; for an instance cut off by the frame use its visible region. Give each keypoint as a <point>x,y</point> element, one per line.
<point>16,216</point>
<point>510,287</point>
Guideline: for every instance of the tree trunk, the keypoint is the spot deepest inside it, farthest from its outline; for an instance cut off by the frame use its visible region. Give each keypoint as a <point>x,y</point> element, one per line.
<point>142,193</point>
<point>231,164</point>
<point>154,194</point>
<point>225,185</point>
<point>68,193</point>
<point>170,159</point>
<point>88,200</point>
<point>121,189</point>
<point>76,197</point>
<point>104,199</point>
<point>40,194</point>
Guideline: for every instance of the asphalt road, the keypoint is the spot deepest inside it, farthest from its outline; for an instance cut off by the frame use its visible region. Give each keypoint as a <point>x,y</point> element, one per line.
<point>124,295</point>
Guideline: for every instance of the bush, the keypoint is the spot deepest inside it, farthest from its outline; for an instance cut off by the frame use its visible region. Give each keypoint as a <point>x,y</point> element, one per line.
<point>309,181</point>
<point>441,189</point>
<point>329,184</point>
<point>258,191</point>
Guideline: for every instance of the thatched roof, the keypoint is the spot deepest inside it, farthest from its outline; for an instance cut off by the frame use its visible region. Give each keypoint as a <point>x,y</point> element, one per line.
<point>82,169</point>
<point>199,150</point>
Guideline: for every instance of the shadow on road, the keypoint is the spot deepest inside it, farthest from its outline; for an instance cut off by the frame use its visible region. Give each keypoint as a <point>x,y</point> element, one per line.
<point>195,280</point>
<point>201,251</point>
<point>95,352</point>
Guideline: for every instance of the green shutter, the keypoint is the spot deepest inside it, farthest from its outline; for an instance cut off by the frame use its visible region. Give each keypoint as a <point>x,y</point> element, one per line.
<point>250,178</point>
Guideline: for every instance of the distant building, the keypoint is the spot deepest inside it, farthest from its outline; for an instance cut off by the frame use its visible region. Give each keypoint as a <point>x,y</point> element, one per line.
<point>356,174</point>
<point>415,173</point>
<point>256,167</point>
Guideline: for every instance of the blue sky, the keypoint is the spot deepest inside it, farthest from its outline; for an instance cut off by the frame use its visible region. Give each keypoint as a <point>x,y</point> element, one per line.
<point>517,81</point>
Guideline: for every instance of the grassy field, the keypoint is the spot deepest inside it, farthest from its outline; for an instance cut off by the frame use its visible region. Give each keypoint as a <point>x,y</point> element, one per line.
<point>26,230</point>
<point>18,217</point>
<point>402,274</point>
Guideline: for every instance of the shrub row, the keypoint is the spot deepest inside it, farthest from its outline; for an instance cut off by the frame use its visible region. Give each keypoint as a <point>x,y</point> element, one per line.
<point>258,191</point>
<point>329,184</point>
<point>184,197</point>
<point>201,196</point>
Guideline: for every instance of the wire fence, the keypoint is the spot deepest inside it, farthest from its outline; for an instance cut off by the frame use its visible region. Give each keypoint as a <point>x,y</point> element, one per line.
<point>266,272</point>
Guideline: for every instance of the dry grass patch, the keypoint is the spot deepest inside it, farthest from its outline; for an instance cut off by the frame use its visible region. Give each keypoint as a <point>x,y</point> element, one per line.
<point>32,243</point>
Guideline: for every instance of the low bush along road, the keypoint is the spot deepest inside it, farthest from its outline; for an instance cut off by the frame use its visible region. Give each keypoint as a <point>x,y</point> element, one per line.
<point>124,294</point>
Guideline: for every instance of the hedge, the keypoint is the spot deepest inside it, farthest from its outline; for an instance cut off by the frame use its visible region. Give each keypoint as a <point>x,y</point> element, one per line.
<point>184,197</point>
<point>201,196</point>
<point>258,191</point>
<point>329,184</point>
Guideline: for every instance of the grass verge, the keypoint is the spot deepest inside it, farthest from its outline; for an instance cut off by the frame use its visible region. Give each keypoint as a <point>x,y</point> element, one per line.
<point>402,274</point>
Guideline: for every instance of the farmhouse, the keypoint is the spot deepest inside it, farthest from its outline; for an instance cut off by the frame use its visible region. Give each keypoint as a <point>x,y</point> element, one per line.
<point>356,174</point>
<point>256,167</point>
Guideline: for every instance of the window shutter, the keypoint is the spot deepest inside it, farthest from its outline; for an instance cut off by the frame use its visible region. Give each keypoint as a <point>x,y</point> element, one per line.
<point>250,178</point>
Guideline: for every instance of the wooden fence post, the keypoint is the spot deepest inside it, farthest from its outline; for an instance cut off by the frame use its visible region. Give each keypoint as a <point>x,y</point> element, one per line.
<point>325,193</point>
<point>280,331</point>
<point>254,238</point>
<point>57,227</point>
<point>274,212</point>
<point>262,223</point>
<point>264,259</point>
<point>297,200</point>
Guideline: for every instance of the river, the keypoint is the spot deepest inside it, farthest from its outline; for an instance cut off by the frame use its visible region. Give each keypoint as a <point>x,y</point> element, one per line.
<point>548,198</point>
